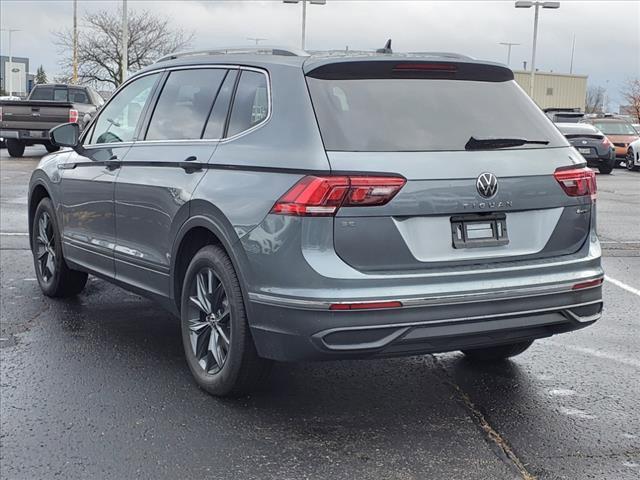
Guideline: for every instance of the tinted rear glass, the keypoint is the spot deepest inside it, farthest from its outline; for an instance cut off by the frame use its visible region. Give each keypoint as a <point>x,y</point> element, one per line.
<point>422,115</point>
<point>49,93</point>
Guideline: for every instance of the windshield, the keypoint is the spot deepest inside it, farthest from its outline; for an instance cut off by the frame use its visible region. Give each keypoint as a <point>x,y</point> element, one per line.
<point>615,128</point>
<point>423,115</point>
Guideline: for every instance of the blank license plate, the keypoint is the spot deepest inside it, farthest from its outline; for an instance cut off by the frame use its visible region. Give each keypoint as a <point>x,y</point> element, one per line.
<point>585,150</point>
<point>474,230</point>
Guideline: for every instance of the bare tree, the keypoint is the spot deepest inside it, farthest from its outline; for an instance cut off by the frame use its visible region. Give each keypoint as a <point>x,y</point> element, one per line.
<point>594,102</point>
<point>631,95</point>
<point>99,49</point>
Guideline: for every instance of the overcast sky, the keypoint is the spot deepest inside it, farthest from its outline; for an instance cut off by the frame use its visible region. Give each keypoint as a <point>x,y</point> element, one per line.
<point>607,32</point>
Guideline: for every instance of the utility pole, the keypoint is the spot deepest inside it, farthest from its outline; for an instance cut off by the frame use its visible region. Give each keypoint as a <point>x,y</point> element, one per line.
<point>9,75</point>
<point>509,45</point>
<point>75,42</point>
<point>124,61</point>
<point>573,49</point>
<point>536,5</point>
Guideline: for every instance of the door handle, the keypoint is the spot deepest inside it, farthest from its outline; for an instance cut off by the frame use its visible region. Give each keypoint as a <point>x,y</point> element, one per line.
<point>191,159</point>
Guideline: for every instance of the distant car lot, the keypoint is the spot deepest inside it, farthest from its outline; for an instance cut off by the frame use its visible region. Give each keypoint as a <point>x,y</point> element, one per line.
<point>107,372</point>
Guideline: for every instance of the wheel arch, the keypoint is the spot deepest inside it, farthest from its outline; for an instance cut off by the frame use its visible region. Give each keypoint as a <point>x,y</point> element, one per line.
<point>202,229</point>
<point>37,193</point>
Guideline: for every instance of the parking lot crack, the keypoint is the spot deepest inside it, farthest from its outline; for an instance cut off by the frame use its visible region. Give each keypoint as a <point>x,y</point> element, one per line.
<point>500,444</point>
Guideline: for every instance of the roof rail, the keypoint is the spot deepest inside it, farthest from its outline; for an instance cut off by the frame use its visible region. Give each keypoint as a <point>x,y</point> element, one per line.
<point>443,54</point>
<point>265,50</point>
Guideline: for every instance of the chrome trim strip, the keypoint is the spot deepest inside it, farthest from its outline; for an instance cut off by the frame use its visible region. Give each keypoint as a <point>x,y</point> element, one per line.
<point>412,302</point>
<point>578,318</point>
<point>426,323</point>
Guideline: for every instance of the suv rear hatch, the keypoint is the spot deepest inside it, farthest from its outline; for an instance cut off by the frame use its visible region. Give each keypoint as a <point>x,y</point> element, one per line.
<point>476,192</point>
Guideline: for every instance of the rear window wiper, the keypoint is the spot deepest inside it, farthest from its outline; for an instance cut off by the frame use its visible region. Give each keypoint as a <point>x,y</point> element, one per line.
<point>493,143</point>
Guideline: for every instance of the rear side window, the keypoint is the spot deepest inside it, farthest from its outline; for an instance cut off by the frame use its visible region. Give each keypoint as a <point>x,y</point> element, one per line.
<point>77,95</point>
<point>250,104</point>
<point>184,104</point>
<point>424,114</point>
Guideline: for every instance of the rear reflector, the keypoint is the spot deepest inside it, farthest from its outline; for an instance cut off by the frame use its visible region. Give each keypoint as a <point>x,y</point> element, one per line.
<point>73,116</point>
<point>365,306</point>
<point>323,196</point>
<point>588,284</point>
<point>577,182</point>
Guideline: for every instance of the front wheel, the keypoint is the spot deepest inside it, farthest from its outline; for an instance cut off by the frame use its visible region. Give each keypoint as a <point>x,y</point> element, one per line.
<point>56,279</point>
<point>216,337</point>
<point>15,147</point>
<point>499,352</point>
<point>629,161</point>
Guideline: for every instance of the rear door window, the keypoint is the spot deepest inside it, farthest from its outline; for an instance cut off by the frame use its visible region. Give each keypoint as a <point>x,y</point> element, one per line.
<point>424,114</point>
<point>184,105</point>
<point>218,117</point>
<point>77,95</point>
<point>250,104</point>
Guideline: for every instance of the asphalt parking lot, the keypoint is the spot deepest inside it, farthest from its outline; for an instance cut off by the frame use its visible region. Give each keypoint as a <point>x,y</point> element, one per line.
<point>97,387</point>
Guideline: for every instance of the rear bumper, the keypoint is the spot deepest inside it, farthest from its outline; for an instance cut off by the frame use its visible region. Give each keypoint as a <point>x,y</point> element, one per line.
<point>31,136</point>
<point>298,334</point>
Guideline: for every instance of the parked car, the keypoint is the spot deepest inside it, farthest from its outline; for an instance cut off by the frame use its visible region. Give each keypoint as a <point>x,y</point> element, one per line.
<point>564,115</point>
<point>633,156</point>
<point>619,131</point>
<point>27,122</point>
<point>309,208</point>
<point>592,144</point>
<point>5,97</point>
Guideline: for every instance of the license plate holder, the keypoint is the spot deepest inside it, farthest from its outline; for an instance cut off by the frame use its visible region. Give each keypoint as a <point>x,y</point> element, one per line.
<point>586,151</point>
<point>479,230</point>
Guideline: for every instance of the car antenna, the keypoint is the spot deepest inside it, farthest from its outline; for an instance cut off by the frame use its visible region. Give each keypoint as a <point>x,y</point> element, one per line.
<point>386,48</point>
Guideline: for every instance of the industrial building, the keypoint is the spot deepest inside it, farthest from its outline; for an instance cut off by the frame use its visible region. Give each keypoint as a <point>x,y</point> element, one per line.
<point>559,90</point>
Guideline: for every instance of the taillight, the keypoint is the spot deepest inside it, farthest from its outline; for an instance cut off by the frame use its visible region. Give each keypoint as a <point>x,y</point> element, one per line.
<point>577,182</point>
<point>606,142</point>
<point>323,196</point>
<point>73,115</point>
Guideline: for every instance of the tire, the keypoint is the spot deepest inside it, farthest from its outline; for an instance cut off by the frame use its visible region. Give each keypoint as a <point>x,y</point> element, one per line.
<point>499,352</point>
<point>629,162</point>
<point>56,279</point>
<point>15,147</point>
<point>226,364</point>
<point>51,147</point>
<point>607,168</point>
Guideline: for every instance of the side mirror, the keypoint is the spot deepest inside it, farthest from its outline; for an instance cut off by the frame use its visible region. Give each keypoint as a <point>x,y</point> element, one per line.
<point>65,135</point>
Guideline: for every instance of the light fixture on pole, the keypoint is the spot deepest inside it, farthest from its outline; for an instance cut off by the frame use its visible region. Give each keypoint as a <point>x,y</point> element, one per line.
<point>9,75</point>
<point>256,39</point>
<point>304,15</point>
<point>537,5</point>
<point>509,45</point>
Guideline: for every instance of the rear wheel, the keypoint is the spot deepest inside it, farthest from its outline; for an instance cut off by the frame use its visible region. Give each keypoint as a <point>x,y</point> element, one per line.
<point>15,147</point>
<point>51,147</point>
<point>215,333</point>
<point>56,279</point>
<point>499,352</point>
<point>606,168</point>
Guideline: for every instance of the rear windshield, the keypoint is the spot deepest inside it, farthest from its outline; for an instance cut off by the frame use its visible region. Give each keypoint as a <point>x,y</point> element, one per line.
<point>615,128</point>
<point>61,94</point>
<point>422,115</point>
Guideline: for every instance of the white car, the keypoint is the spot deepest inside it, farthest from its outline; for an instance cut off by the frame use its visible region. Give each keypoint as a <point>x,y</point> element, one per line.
<point>633,155</point>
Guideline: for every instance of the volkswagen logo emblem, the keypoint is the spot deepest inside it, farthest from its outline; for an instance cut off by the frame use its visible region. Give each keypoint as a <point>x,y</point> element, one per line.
<point>487,185</point>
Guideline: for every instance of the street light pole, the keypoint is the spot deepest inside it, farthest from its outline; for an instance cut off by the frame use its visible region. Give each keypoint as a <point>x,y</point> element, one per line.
<point>75,42</point>
<point>256,39</point>
<point>509,45</point>
<point>537,5</point>
<point>124,60</point>
<point>573,49</point>
<point>304,16</point>
<point>9,75</point>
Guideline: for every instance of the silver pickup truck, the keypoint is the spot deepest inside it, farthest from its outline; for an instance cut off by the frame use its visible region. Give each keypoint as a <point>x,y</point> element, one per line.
<point>27,122</point>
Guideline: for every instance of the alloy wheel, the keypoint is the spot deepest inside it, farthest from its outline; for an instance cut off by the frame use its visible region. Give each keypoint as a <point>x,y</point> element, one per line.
<point>46,248</point>
<point>209,321</point>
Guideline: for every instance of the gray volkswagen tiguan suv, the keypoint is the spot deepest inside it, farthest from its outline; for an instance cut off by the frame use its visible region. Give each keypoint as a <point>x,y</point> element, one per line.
<point>293,207</point>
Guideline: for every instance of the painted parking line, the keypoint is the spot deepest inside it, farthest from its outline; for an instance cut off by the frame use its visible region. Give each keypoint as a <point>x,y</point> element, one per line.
<point>632,362</point>
<point>14,234</point>
<point>622,285</point>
